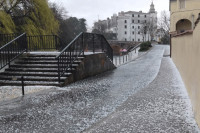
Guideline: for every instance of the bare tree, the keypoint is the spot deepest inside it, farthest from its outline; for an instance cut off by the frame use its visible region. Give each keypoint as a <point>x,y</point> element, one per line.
<point>149,28</point>
<point>99,27</point>
<point>164,27</point>
<point>59,12</point>
<point>17,8</point>
<point>144,30</point>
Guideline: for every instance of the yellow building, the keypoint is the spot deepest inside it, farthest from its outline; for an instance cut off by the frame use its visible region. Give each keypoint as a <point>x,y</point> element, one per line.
<point>185,46</point>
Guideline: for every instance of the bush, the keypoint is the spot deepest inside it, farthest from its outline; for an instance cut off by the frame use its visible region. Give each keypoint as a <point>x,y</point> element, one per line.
<point>165,39</point>
<point>145,46</point>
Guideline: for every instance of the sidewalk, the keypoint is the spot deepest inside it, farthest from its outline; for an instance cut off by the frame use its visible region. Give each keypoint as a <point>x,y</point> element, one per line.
<point>145,95</point>
<point>161,107</point>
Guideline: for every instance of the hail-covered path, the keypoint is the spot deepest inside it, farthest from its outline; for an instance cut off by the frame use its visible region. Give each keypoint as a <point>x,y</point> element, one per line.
<point>145,95</point>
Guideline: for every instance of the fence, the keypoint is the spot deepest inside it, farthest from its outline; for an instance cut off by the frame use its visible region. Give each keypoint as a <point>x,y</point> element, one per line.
<point>119,60</point>
<point>83,42</point>
<point>5,38</point>
<point>12,50</point>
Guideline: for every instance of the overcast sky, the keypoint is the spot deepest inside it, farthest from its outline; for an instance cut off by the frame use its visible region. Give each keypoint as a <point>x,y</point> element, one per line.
<point>92,9</point>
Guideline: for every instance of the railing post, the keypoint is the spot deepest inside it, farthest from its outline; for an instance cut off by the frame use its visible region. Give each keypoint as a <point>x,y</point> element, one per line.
<point>112,54</point>
<point>56,42</point>
<point>22,79</point>
<point>26,42</point>
<point>102,46</point>
<point>120,59</point>
<point>93,43</point>
<point>8,57</point>
<point>170,45</point>
<point>83,43</point>
<point>70,57</point>
<point>58,71</point>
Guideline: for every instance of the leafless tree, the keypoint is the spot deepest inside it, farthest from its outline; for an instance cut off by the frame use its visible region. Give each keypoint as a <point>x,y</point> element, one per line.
<point>164,22</point>
<point>150,28</point>
<point>164,26</point>
<point>144,30</point>
<point>59,11</point>
<point>17,8</point>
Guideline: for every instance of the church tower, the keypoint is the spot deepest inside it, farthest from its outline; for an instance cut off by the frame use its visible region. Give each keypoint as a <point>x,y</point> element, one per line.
<point>152,9</point>
<point>153,20</point>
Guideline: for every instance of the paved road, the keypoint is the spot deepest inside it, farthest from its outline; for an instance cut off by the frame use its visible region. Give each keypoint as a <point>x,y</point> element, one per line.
<point>92,104</point>
<point>161,107</point>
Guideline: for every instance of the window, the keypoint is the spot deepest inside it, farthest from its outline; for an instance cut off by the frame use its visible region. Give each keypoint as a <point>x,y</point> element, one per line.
<point>145,21</point>
<point>138,15</point>
<point>138,21</point>
<point>138,27</point>
<point>132,15</point>
<point>125,39</point>
<point>125,32</point>
<point>133,27</point>
<point>125,26</point>
<point>138,40</point>
<point>133,32</point>
<point>132,21</point>
<point>133,40</point>
<point>125,21</point>
<point>182,4</point>
<point>138,32</point>
<point>145,16</point>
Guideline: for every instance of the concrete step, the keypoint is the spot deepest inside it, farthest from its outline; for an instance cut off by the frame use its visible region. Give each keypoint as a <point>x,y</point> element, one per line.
<point>36,69</point>
<point>41,55</point>
<point>38,66</point>
<point>38,58</point>
<point>31,78</point>
<point>28,83</point>
<point>43,62</point>
<point>42,74</point>
<point>44,58</point>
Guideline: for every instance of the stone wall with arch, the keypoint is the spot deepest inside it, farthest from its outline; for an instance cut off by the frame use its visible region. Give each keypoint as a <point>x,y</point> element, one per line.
<point>183,25</point>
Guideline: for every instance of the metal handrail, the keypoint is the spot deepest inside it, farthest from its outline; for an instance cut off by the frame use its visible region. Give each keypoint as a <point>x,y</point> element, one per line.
<point>69,53</point>
<point>135,47</point>
<point>12,50</point>
<point>5,38</point>
<point>69,44</point>
<point>44,42</point>
<point>12,41</point>
<point>83,42</point>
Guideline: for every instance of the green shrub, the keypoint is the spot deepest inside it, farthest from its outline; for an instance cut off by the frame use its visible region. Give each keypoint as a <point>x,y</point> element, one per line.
<point>145,46</point>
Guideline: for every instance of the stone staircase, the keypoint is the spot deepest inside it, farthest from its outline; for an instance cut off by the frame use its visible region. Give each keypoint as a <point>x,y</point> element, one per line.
<point>37,69</point>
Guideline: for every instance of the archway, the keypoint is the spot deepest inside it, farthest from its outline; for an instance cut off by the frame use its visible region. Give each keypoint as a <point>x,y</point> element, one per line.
<point>183,25</point>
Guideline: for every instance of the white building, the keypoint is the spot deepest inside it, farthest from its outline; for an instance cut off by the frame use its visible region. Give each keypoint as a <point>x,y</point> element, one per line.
<point>137,26</point>
<point>109,25</point>
<point>131,25</point>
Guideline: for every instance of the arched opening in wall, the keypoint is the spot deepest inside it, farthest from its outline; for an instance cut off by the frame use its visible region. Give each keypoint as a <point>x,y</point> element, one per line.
<point>183,25</point>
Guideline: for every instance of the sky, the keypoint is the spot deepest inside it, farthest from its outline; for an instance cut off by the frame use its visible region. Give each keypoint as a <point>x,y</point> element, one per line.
<point>92,10</point>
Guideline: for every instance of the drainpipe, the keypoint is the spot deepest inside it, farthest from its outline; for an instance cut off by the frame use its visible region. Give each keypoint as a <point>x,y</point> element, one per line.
<point>192,21</point>
<point>170,45</point>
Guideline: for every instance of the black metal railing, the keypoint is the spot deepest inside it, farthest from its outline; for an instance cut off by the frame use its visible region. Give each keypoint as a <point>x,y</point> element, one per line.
<point>5,38</point>
<point>12,50</point>
<point>44,42</point>
<point>84,42</point>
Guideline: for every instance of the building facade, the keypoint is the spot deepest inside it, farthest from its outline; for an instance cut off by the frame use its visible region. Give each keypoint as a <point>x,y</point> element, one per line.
<point>137,26</point>
<point>131,25</point>
<point>185,46</point>
<point>109,25</point>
